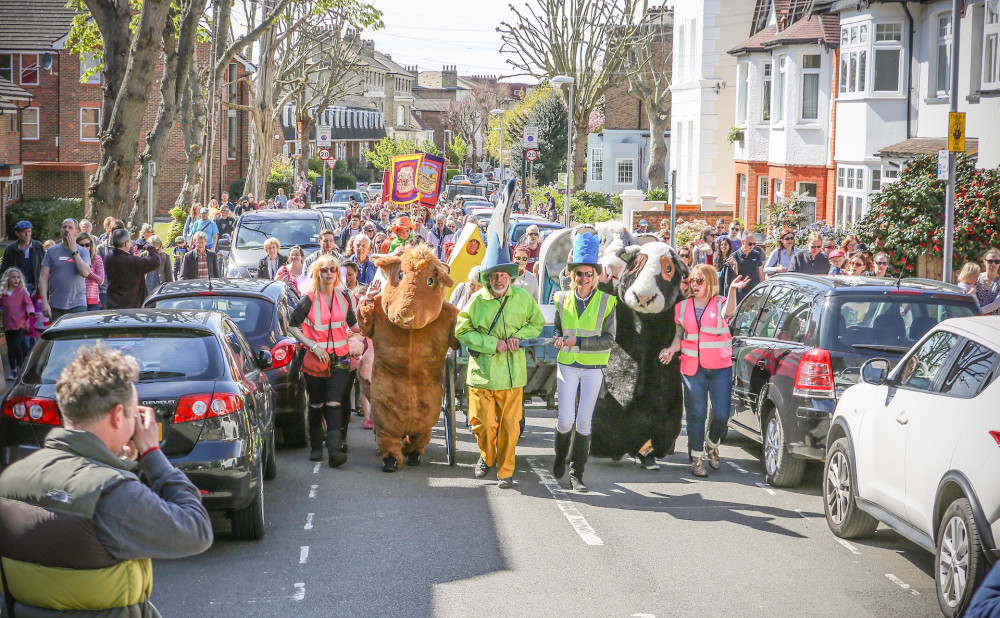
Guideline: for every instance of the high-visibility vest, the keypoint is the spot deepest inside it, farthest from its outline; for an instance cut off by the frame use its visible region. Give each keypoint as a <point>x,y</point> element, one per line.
<point>326,328</point>
<point>709,344</point>
<point>590,324</point>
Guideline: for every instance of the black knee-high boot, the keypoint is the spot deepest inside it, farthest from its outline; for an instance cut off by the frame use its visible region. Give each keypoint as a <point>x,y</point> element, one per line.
<point>315,434</point>
<point>334,437</point>
<point>578,461</point>
<point>562,450</point>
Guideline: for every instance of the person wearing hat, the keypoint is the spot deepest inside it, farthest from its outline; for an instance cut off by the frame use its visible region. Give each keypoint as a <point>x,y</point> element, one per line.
<point>812,261</point>
<point>225,221</point>
<point>401,228</point>
<point>525,278</point>
<point>533,241</point>
<point>493,324</point>
<point>25,254</point>
<point>836,258</point>
<point>585,329</point>
<point>643,227</point>
<point>866,255</point>
<point>550,207</point>
<point>208,226</point>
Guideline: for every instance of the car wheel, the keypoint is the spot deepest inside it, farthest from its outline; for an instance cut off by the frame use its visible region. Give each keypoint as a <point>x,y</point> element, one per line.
<point>780,468</point>
<point>843,516</point>
<point>959,560</point>
<point>270,461</point>
<point>248,522</point>
<point>295,426</point>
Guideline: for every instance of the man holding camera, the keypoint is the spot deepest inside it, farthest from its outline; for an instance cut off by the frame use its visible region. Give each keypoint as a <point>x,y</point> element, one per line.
<point>76,515</point>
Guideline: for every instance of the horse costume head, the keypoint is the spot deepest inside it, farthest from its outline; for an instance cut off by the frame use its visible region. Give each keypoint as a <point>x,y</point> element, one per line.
<point>414,291</point>
<point>651,281</point>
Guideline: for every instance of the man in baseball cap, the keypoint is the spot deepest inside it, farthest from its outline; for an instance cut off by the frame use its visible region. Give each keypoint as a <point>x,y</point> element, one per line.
<point>25,254</point>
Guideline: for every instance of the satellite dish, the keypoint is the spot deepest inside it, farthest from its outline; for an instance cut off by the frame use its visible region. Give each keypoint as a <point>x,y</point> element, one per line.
<point>47,61</point>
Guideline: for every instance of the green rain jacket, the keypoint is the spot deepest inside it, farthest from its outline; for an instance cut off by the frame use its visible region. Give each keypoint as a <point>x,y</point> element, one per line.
<point>521,319</point>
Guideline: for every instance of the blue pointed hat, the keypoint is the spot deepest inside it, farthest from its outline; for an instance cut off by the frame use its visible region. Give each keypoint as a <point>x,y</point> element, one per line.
<point>586,248</point>
<point>497,242</point>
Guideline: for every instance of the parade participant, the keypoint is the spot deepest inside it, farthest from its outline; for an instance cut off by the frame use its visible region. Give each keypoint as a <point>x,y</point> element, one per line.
<point>17,308</point>
<point>723,269</point>
<point>643,227</point>
<point>163,274</point>
<point>664,234</point>
<point>200,263</point>
<point>781,258</point>
<point>881,263</point>
<point>85,521</point>
<point>104,249</point>
<point>127,273</point>
<point>584,333</point>
<point>813,261</point>
<point>748,262</point>
<point>204,224</point>
<point>704,340</point>
<point>269,265</point>
<point>855,265</point>
<point>327,246</point>
<point>194,214</point>
<point>96,277</point>
<point>180,248</point>
<point>366,268</point>
<point>533,242</point>
<point>492,326</point>
<point>86,227</point>
<point>26,254</point>
<point>402,229</point>
<point>734,235</point>
<point>837,259</point>
<point>703,247</point>
<point>225,221</point>
<point>968,276</point>
<point>848,244</point>
<point>349,232</point>
<point>439,236</point>
<point>62,282</point>
<point>525,280</point>
<point>281,200</point>
<point>320,322</point>
<point>293,272</point>
<point>988,284</point>
<point>684,253</point>
<point>463,291</point>
<point>144,233</point>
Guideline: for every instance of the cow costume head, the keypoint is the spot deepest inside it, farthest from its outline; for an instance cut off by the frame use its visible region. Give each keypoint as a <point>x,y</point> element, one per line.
<point>652,277</point>
<point>414,291</point>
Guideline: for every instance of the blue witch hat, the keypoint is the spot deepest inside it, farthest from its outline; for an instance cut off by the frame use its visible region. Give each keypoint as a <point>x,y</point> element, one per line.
<point>497,242</point>
<point>586,247</point>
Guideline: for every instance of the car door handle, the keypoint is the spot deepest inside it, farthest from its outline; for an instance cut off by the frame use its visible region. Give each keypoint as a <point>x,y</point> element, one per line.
<point>901,418</point>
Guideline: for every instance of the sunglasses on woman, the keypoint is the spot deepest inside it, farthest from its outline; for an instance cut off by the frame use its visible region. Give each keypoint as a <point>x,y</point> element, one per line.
<point>520,259</point>
<point>992,261</point>
<point>327,270</point>
<point>696,280</point>
<point>588,274</point>
<point>84,245</point>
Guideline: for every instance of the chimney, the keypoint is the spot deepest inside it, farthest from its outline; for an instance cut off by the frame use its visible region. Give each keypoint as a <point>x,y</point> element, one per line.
<point>449,76</point>
<point>368,47</point>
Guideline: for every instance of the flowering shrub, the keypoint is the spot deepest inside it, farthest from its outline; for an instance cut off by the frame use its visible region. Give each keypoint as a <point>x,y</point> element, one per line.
<point>688,231</point>
<point>906,218</point>
<point>595,123</point>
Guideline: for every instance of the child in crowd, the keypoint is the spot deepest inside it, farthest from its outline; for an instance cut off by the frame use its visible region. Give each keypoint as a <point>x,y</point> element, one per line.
<point>968,276</point>
<point>837,258</point>
<point>180,248</point>
<point>17,308</point>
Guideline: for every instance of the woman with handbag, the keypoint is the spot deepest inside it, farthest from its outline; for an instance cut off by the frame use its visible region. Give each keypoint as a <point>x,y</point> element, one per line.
<point>320,322</point>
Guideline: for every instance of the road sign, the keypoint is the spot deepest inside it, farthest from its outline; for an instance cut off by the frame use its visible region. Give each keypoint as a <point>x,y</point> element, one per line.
<point>324,154</point>
<point>323,138</point>
<point>956,132</point>
<point>530,139</point>
<point>942,171</point>
<point>531,154</point>
<point>331,163</point>
<point>562,181</point>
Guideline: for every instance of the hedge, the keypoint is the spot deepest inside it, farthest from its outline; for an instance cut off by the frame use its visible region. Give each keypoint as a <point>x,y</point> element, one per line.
<point>46,216</point>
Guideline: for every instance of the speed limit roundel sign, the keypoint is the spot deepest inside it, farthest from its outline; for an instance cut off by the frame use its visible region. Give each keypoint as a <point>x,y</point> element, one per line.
<point>324,154</point>
<point>531,155</point>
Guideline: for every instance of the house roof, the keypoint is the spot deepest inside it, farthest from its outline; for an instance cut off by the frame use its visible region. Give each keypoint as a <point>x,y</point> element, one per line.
<point>417,122</point>
<point>390,65</point>
<point>432,80</point>
<point>34,29</point>
<point>756,42</point>
<point>813,29</point>
<point>916,146</point>
<point>793,24</point>
<point>10,92</point>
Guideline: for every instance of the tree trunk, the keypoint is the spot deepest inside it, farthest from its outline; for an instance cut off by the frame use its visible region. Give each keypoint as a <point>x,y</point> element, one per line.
<point>108,190</point>
<point>656,170</point>
<point>302,165</point>
<point>112,18</point>
<point>580,134</point>
<point>194,120</point>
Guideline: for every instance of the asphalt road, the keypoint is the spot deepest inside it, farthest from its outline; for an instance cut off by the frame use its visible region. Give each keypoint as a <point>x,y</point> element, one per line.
<point>435,541</point>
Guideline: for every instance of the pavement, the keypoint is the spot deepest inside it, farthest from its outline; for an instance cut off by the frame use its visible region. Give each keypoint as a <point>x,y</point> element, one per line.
<point>434,541</point>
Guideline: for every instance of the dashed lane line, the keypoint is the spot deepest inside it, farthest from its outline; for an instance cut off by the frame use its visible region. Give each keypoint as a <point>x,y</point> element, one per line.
<point>309,522</point>
<point>901,584</point>
<point>303,554</point>
<point>738,468</point>
<point>569,510</point>
<point>854,550</point>
<point>316,469</point>
<point>312,490</point>
<point>300,592</point>
<point>766,488</point>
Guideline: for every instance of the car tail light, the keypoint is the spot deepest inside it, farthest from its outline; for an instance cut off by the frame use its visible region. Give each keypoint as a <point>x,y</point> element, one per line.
<point>282,353</point>
<point>815,374</point>
<point>32,410</point>
<point>905,292</point>
<point>206,405</point>
<point>996,436</point>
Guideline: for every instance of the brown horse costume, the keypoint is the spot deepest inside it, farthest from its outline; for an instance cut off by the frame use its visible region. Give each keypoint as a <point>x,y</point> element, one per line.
<point>411,326</point>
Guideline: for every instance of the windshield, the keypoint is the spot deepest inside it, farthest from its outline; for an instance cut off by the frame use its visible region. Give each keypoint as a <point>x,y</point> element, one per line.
<point>345,196</point>
<point>252,315</point>
<point>868,322</point>
<point>163,355</point>
<point>252,233</point>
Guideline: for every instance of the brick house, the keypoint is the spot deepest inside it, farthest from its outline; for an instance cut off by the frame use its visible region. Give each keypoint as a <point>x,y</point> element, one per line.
<point>12,101</point>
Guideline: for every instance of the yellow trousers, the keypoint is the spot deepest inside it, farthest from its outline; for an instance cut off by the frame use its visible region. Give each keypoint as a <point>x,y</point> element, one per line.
<point>495,417</point>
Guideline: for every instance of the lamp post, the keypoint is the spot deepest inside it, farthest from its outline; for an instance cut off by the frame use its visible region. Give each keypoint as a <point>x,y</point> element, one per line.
<point>444,136</point>
<point>557,82</point>
<point>499,112</point>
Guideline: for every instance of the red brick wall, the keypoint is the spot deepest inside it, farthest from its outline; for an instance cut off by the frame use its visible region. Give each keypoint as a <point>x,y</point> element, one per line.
<point>790,176</point>
<point>10,147</point>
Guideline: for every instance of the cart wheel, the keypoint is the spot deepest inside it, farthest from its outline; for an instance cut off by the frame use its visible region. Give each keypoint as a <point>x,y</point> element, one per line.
<point>449,412</point>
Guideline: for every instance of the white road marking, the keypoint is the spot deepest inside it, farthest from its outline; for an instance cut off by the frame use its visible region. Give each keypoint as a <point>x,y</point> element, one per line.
<point>766,488</point>
<point>799,511</point>
<point>312,490</point>
<point>303,554</point>
<point>566,505</point>
<point>618,491</point>
<point>316,469</point>
<point>738,469</point>
<point>901,584</point>
<point>854,550</point>
<point>300,592</point>
<point>309,521</point>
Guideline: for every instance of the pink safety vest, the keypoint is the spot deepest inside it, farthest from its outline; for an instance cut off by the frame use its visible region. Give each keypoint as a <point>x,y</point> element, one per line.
<point>709,344</point>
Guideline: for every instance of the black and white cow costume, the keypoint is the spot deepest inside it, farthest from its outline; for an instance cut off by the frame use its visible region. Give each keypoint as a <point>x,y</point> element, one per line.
<point>644,399</point>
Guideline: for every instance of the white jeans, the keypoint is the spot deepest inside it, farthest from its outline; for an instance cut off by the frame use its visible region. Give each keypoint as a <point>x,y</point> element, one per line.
<point>570,380</point>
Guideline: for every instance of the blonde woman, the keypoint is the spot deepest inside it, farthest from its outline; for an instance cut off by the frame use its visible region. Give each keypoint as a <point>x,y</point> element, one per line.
<point>292,272</point>
<point>271,263</point>
<point>17,308</point>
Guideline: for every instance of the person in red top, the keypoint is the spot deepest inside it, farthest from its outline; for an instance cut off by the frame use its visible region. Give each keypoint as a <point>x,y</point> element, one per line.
<point>17,307</point>
<point>706,346</point>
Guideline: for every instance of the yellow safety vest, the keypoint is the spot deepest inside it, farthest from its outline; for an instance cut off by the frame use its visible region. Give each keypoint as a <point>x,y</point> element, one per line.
<point>590,324</point>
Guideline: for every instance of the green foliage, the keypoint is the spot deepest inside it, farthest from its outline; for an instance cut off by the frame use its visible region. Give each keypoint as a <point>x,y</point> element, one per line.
<point>236,189</point>
<point>177,218</point>
<point>594,199</point>
<point>906,218</point>
<point>657,194</point>
<point>616,202</point>
<point>46,216</point>
<point>271,189</point>
<point>686,232</point>
<point>584,206</point>
<point>736,134</point>
<point>457,149</point>
<point>389,148</point>
<point>452,173</point>
<point>282,170</point>
<point>789,212</point>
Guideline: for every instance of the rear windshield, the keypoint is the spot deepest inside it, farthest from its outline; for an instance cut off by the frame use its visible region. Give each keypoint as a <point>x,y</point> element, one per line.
<point>162,355</point>
<point>252,315</point>
<point>865,322</point>
<point>253,232</point>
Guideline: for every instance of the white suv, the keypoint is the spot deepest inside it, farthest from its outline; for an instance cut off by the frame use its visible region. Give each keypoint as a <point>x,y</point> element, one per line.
<point>918,448</point>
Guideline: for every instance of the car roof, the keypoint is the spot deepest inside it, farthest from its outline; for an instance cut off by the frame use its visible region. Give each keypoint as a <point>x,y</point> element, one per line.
<point>263,288</point>
<point>847,283</point>
<point>206,321</point>
<point>983,328</point>
<point>280,214</point>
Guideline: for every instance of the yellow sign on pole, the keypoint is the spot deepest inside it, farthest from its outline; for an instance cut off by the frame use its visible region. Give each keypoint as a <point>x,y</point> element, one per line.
<point>956,132</point>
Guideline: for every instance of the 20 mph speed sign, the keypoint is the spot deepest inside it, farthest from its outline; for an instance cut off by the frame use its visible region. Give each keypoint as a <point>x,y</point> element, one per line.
<point>324,154</point>
<point>531,154</point>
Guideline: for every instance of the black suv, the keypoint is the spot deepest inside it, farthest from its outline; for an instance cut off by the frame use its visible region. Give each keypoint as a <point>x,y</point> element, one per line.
<point>798,343</point>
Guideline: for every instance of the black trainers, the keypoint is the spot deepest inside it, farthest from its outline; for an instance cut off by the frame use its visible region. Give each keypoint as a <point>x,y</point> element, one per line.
<point>648,461</point>
<point>481,468</point>
<point>412,459</point>
<point>506,483</point>
<point>389,464</point>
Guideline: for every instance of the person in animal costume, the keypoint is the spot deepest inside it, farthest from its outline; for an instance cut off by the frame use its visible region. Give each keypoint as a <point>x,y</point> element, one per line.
<point>492,325</point>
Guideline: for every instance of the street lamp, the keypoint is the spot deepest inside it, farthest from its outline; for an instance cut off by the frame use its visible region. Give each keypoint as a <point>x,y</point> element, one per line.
<point>557,82</point>
<point>444,149</point>
<point>499,112</point>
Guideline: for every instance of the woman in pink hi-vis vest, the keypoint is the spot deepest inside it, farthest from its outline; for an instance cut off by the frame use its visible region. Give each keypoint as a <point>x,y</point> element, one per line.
<point>706,345</point>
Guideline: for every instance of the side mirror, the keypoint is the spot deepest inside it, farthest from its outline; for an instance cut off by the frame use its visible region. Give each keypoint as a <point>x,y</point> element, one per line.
<point>874,371</point>
<point>264,360</point>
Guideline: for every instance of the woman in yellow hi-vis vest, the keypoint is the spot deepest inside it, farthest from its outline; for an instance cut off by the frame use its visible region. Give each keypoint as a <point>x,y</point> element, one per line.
<point>585,331</point>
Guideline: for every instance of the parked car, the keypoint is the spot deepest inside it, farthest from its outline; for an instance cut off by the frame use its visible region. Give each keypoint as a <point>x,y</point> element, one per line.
<point>798,341</point>
<point>345,195</point>
<point>374,190</point>
<point>261,309</point>
<point>477,203</point>
<point>213,402</point>
<point>519,225</point>
<point>477,179</point>
<point>290,227</point>
<point>916,447</point>
<point>454,190</point>
<point>460,179</point>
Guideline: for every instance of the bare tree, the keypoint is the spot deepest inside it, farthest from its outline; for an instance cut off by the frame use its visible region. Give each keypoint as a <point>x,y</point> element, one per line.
<point>648,63</point>
<point>583,39</point>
